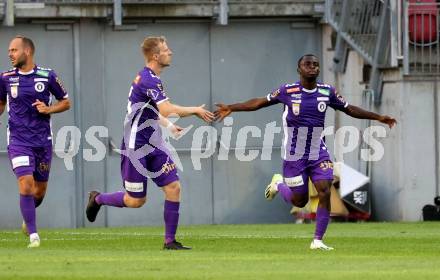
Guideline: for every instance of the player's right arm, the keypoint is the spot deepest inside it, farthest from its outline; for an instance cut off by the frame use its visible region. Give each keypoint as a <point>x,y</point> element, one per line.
<point>166,108</point>
<point>253,104</point>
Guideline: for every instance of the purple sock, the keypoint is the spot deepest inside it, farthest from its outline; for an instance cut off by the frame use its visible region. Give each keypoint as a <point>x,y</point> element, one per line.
<point>171,217</point>
<point>27,207</point>
<point>111,199</point>
<point>322,219</point>
<point>285,192</point>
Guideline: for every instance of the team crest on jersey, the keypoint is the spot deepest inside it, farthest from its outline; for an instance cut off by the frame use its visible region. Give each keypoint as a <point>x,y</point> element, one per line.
<point>152,93</point>
<point>322,106</point>
<point>14,91</point>
<point>39,87</point>
<point>295,108</point>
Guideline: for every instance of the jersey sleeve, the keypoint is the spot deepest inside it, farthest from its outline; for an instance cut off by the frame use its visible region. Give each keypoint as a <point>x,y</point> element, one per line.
<point>275,95</point>
<point>3,92</point>
<point>156,93</point>
<point>56,87</point>
<point>337,102</point>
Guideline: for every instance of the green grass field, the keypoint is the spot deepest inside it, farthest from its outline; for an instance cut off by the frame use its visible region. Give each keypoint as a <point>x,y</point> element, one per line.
<point>362,251</point>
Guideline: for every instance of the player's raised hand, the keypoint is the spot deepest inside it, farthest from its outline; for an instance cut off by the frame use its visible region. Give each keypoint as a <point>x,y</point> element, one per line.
<point>222,111</point>
<point>175,130</point>
<point>41,107</point>
<point>204,114</point>
<point>388,121</point>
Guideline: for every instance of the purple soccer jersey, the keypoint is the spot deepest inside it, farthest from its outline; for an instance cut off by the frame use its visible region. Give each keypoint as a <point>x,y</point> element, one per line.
<point>145,153</point>
<point>26,126</point>
<point>303,118</point>
<point>141,124</point>
<point>304,152</point>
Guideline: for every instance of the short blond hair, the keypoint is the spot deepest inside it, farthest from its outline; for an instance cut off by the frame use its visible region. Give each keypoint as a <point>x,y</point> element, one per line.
<point>150,46</point>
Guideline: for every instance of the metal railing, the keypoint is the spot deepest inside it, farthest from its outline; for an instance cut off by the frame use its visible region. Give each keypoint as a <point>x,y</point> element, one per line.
<point>364,26</point>
<point>359,23</point>
<point>421,38</point>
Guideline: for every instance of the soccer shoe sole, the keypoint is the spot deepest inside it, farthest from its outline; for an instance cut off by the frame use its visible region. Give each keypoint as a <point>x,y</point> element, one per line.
<point>270,192</point>
<point>92,207</point>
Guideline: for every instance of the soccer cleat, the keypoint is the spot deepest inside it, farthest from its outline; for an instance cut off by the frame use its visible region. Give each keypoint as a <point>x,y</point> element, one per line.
<point>92,207</point>
<point>271,190</point>
<point>318,244</point>
<point>24,229</point>
<point>34,241</point>
<point>174,245</point>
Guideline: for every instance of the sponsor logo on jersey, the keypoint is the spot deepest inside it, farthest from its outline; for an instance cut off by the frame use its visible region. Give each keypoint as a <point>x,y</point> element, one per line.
<point>324,91</point>
<point>134,187</point>
<point>42,73</point>
<point>322,106</point>
<point>322,98</point>
<point>326,165</point>
<point>60,84</point>
<point>294,181</point>
<point>44,167</point>
<point>292,90</point>
<point>295,108</point>
<point>14,79</point>
<point>296,95</point>
<point>275,93</point>
<point>40,87</point>
<point>41,80</point>
<point>168,167</point>
<point>20,161</point>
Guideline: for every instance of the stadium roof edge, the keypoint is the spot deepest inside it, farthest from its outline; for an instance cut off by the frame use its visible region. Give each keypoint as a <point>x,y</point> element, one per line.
<point>165,9</point>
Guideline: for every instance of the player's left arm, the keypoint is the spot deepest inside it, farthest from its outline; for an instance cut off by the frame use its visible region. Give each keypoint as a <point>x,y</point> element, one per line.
<point>57,89</point>
<point>359,113</point>
<point>337,102</point>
